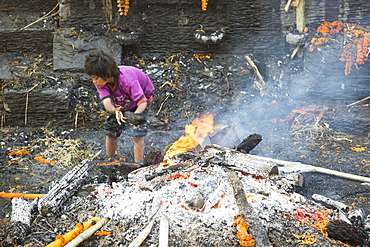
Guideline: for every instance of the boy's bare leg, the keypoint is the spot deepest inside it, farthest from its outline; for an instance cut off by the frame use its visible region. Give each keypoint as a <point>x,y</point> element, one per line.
<point>138,148</point>
<point>111,144</point>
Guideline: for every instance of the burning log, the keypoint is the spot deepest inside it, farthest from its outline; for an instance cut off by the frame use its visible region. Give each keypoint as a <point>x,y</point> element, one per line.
<point>64,188</point>
<point>20,222</point>
<point>240,161</point>
<point>224,135</point>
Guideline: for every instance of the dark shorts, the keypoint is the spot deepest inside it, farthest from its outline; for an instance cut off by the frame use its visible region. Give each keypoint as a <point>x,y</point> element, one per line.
<point>113,129</point>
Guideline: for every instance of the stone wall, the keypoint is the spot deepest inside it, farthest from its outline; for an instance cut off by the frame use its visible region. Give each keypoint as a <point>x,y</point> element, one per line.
<point>167,26</point>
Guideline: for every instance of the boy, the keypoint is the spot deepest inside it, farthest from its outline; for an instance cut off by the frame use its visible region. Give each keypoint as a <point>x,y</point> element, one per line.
<point>121,88</point>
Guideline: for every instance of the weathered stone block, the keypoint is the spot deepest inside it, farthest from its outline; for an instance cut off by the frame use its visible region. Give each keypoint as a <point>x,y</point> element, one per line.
<point>38,108</point>
<point>70,49</point>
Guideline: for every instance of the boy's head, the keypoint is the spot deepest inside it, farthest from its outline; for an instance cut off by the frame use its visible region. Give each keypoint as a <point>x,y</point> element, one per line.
<point>102,64</point>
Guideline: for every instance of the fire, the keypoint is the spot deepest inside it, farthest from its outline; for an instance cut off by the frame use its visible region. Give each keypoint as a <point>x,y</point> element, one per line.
<point>196,132</point>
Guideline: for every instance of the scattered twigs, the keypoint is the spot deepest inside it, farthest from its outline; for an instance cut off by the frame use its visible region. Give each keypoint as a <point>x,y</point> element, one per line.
<point>254,67</point>
<point>88,233</point>
<point>357,102</point>
<point>42,18</point>
<point>160,107</point>
<point>163,232</point>
<point>142,236</point>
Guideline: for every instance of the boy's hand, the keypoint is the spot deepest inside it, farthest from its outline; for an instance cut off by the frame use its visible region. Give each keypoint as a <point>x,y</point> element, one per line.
<point>119,116</point>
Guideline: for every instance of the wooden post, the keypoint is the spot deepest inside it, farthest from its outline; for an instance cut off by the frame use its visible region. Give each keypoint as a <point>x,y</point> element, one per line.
<point>300,22</point>
<point>300,16</point>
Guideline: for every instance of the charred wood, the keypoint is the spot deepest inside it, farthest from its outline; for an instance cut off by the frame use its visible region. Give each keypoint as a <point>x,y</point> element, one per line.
<point>153,157</point>
<point>240,161</point>
<point>340,230</point>
<point>119,171</point>
<point>170,169</point>
<point>251,217</point>
<point>224,135</point>
<point>249,143</point>
<point>135,118</point>
<point>64,188</point>
<point>20,222</point>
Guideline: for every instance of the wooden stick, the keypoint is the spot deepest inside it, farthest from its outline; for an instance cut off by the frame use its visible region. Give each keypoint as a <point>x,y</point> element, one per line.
<point>294,52</point>
<point>42,18</point>
<point>331,202</point>
<point>364,99</point>
<point>142,236</point>
<point>163,232</point>
<point>289,166</point>
<point>254,67</point>
<point>88,233</point>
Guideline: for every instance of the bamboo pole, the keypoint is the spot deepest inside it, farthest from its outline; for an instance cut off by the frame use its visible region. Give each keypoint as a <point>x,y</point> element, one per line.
<point>289,166</point>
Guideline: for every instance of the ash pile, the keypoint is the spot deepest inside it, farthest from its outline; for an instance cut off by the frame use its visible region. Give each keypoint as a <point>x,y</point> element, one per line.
<point>215,196</point>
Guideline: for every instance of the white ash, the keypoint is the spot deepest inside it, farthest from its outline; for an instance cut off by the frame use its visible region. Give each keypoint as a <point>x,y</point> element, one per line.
<point>204,200</point>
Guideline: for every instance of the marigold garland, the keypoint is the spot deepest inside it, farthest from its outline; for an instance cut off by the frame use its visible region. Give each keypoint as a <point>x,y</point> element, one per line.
<point>245,239</point>
<point>123,6</point>
<point>356,49</point>
<point>204,5</point>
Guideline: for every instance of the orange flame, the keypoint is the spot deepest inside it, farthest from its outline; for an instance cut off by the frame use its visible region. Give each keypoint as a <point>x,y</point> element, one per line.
<point>196,132</point>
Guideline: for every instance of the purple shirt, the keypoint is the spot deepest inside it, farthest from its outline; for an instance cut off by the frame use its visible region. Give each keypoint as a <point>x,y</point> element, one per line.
<point>133,85</point>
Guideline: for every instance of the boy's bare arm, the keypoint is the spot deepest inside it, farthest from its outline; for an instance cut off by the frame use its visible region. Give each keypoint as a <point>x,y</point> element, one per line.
<point>140,108</point>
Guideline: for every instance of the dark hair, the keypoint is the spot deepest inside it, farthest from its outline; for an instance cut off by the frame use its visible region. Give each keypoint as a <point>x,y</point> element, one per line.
<point>101,64</point>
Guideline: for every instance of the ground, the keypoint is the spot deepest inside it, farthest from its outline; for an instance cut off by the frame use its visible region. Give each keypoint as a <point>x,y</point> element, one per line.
<point>192,84</point>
